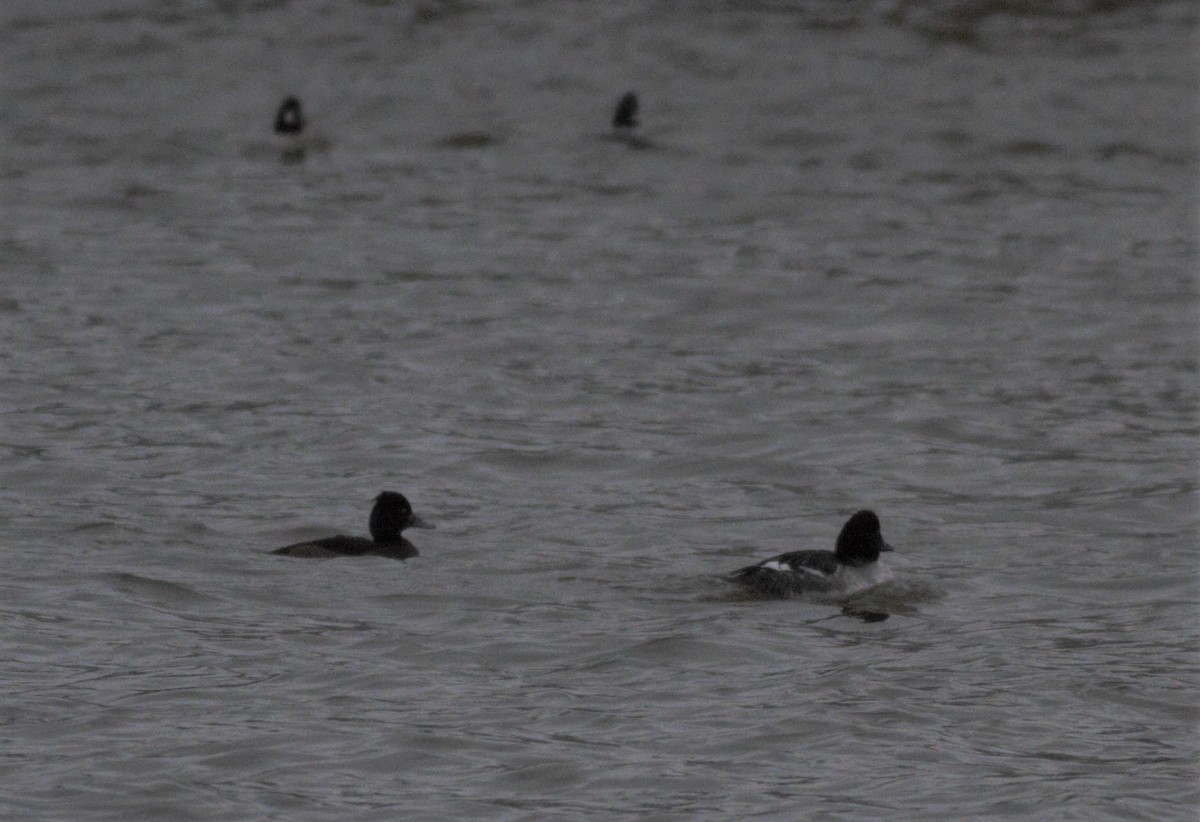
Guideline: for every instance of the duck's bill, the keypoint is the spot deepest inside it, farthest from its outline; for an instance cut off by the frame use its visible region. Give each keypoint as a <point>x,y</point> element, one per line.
<point>417,522</point>
<point>886,547</point>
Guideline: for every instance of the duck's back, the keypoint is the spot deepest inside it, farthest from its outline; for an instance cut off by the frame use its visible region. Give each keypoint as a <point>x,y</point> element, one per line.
<point>309,550</point>
<point>788,574</point>
<point>344,546</point>
<point>811,562</point>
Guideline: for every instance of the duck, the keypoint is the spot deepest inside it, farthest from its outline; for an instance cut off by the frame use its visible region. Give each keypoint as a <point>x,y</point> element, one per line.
<point>625,123</point>
<point>853,566</point>
<point>289,126</point>
<point>390,515</point>
<point>625,116</point>
<point>289,119</point>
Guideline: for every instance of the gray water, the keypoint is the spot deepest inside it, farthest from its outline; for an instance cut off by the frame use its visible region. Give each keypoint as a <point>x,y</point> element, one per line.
<point>936,259</point>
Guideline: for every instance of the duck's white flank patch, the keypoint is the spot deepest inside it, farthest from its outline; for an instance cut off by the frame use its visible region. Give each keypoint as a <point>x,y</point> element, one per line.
<point>857,579</point>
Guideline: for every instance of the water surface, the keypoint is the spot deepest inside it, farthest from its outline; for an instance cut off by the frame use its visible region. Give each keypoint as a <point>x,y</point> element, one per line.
<point>934,259</point>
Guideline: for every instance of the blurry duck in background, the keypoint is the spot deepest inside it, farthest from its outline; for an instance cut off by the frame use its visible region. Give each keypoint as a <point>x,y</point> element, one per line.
<point>289,125</point>
<point>289,119</point>
<point>625,117</point>
<point>625,121</point>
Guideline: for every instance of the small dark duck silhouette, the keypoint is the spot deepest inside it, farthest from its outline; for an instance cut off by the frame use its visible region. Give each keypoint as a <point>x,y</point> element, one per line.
<point>289,119</point>
<point>390,515</point>
<point>625,117</point>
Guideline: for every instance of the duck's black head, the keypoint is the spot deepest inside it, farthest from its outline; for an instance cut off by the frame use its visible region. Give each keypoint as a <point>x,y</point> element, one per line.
<point>289,119</point>
<point>391,515</point>
<point>627,110</point>
<point>861,540</point>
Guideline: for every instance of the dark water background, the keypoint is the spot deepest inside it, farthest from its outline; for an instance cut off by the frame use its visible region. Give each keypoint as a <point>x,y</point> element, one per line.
<point>937,259</point>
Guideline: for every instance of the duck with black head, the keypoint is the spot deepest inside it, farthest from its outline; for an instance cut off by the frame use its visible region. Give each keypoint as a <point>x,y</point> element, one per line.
<point>390,515</point>
<point>289,119</point>
<point>625,122</point>
<point>625,116</point>
<point>289,125</point>
<point>853,566</point>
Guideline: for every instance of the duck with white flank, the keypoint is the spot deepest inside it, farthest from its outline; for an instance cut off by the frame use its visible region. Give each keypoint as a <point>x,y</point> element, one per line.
<point>852,567</point>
